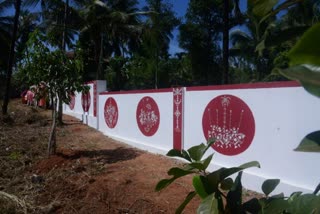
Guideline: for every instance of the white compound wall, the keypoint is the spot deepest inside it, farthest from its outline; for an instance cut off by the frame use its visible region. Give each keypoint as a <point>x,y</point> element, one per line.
<point>262,122</point>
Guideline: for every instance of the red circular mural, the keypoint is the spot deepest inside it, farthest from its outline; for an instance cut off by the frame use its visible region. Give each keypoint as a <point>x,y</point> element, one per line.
<point>72,102</point>
<point>230,121</point>
<point>148,116</point>
<point>111,112</point>
<point>86,101</point>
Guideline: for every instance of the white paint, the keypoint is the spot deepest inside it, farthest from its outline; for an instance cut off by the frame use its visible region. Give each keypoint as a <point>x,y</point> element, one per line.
<point>87,117</point>
<point>127,127</point>
<point>283,117</point>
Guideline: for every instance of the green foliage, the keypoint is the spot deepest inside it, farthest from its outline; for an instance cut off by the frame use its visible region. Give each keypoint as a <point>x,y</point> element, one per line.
<point>310,143</point>
<point>305,67</point>
<point>221,194</point>
<point>269,185</point>
<point>61,74</point>
<point>207,185</point>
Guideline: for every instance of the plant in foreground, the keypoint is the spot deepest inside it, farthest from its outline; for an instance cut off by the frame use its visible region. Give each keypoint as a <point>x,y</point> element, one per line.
<point>221,194</point>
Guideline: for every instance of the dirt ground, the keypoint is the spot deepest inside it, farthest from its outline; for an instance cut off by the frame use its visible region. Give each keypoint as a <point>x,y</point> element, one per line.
<point>91,173</point>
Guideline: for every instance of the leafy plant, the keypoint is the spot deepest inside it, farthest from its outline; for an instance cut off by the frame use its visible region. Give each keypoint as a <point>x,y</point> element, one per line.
<point>209,186</point>
<point>305,67</point>
<point>221,194</point>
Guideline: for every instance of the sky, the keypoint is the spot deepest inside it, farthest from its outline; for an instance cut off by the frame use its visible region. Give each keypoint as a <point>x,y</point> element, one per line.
<point>180,8</point>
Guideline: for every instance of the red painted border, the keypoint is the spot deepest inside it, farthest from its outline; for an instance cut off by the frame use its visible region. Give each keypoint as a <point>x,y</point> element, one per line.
<point>178,102</point>
<point>162,90</point>
<point>247,86</point>
<point>90,82</point>
<point>95,98</point>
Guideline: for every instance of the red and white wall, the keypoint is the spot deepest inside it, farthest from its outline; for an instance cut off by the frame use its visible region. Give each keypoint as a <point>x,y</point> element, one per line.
<point>141,118</point>
<point>263,122</point>
<point>85,106</point>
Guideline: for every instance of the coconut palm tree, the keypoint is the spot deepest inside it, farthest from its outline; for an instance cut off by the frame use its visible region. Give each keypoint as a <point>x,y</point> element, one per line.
<point>262,33</point>
<point>157,34</point>
<point>11,57</point>
<point>113,27</point>
<point>5,27</point>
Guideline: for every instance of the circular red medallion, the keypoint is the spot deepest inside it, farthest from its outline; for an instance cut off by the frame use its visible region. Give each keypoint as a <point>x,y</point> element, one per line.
<point>230,122</point>
<point>111,112</point>
<point>148,116</point>
<point>72,102</point>
<point>86,101</point>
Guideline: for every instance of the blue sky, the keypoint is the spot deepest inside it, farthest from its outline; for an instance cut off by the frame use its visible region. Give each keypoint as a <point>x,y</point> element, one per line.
<point>180,8</point>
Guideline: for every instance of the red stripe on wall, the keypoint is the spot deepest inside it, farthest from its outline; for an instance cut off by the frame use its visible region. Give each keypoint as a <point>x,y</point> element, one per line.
<point>177,117</point>
<point>247,86</point>
<point>95,98</point>
<point>162,90</point>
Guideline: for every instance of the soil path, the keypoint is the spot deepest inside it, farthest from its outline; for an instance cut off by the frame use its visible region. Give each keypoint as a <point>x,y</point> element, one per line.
<point>91,173</point>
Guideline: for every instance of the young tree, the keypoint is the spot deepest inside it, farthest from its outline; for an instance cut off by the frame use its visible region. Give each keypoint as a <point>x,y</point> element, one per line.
<point>61,75</point>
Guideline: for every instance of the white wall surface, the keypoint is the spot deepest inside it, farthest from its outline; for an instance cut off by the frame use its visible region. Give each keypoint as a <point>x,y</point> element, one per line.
<point>127,128</point>
<point>283,117</point>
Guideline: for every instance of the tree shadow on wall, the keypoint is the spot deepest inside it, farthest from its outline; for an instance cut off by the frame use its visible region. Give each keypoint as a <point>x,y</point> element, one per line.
<point>105,156</point>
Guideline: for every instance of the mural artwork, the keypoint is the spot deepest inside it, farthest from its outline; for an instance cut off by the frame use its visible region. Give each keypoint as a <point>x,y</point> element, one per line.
<point>229,120</point>
<point>111,112</point>
<point>86,101</point>
<point>72,102</point>
<point>148,116</point>
<point>177,115</point>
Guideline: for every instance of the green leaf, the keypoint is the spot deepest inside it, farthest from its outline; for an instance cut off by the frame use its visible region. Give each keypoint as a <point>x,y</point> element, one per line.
<point>181,154</point>
<point>252,206</point>
<point>199,186</point>
<point>189,197</point>
<point>269,185</point>
<point>263,7</point>
<point>293,196</point>
<point>276,205</point>
<point>280,195</point>
<point>317,189</point>
<point>163,184</point>
<point>202,165</point>
<point>207,161</point>
<point>308,203</point>
<point>178,172</point>
<point>234,197</point>
<point>208,205</point>
<point>196,152</point>
<point>214,178</point>
<point>307,50</point>
<point>226,184</point>
<point>311,143</point>
<point>250,164</point>
<point>197,165</point>
<point>307,75</point>
<point>230,171</point>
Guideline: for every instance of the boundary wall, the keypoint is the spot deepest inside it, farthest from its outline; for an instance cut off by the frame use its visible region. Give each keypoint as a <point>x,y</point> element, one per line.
<point>260,121</point>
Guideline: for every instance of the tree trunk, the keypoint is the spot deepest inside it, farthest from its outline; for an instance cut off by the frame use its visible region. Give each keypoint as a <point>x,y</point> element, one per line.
<point>52,137</point>
<point>100,61</point>
<point>11,58</point>
<point>65,25</point>
<point>225,48</point>
<point>60,111</point>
